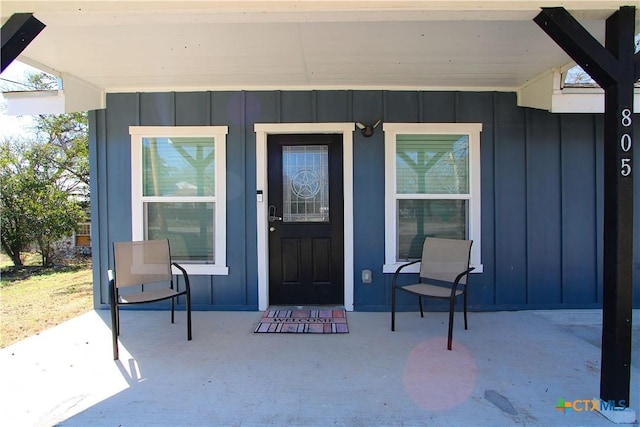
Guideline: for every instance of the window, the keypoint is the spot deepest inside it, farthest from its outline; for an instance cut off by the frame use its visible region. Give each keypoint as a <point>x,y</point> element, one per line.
<point>83,234</point>
<point>178,192</point>
<point>432,188</point>
<point>305,183</point>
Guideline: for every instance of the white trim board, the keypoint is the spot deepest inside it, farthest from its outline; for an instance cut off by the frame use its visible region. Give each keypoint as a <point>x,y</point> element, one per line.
<point>264,129</point>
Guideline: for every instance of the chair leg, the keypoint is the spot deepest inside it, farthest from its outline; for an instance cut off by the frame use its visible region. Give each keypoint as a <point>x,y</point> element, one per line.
<point>114,330</point>
<point>465,309</point>
<point>420,304</point>
<point>393,308</point>
<point>172,310</point>
<point>115,321</point>
<point>188,316</point>
<point>452,303</point>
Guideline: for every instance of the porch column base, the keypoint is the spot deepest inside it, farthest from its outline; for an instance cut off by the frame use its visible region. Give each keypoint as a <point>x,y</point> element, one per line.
<point>618,415</point>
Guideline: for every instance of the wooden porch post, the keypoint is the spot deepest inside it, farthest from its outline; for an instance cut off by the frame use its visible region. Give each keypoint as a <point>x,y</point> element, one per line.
<point>19,30</point>
<point>615,68</point>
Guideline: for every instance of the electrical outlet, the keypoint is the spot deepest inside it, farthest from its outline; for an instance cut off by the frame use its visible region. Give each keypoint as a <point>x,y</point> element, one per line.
<point>366,276</point>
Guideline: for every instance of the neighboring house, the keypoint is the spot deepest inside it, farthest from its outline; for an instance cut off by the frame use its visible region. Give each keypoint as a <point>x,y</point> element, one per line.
<point>78,243</point>
<point>270,193</point>
<point>82,236</point>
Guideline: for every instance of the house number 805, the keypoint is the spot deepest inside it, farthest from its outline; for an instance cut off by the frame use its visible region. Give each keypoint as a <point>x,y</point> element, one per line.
<point>626,143</point>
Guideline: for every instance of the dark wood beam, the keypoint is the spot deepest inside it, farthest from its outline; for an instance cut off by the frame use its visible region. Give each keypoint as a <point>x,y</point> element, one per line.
<point>579,44</point>
<point>617,295</point>
<point>19,30</point>
<point>614,66</point>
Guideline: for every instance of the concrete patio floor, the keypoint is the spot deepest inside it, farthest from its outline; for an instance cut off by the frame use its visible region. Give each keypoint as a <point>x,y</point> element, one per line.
<point>509,368</point>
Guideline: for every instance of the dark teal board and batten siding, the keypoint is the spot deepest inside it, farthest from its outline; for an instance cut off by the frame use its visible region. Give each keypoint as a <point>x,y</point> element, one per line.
<point>541,177</point>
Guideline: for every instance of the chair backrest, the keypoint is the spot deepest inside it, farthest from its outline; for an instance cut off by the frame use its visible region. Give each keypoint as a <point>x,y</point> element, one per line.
<point>143,262</point>
<point>444,259</point>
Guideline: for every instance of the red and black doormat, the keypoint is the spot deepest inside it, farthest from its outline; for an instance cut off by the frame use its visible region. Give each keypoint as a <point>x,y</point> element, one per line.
<point>304,322</point>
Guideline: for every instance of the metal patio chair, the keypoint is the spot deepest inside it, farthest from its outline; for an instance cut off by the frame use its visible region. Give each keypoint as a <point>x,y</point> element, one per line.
<point>143,274</point>
<point>443,275</point>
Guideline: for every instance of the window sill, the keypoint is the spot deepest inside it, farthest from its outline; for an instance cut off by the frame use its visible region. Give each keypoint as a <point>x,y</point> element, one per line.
<point>415,268</point>
<point>202,269</point>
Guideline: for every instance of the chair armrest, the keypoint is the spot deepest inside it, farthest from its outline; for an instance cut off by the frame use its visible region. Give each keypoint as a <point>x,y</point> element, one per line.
<point>458,278</point>
<point>461,275</point>
<point>184,274</point>
<point>395,275</point>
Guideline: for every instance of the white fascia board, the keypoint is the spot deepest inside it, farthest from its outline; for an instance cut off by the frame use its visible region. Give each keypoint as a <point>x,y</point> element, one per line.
<point>29,103</point>
<point>81,95</point>
<point>545,92</point>
<point>537,93</point>
<point>227,10</point>
<point>584,100</point>
<point>580,102</point>
<point>74,95</point>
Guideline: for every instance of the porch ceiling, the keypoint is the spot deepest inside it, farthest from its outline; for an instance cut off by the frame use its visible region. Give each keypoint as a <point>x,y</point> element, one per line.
<point>186,45</point>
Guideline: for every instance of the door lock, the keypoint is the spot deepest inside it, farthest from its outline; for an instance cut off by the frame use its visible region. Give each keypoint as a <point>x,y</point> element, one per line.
<point>272,214</point>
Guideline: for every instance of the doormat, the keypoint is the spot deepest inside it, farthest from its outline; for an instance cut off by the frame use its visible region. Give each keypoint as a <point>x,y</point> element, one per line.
<point>303,322</point>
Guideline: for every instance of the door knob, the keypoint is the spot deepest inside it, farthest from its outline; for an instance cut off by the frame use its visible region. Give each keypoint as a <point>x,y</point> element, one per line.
<point>272,229</point>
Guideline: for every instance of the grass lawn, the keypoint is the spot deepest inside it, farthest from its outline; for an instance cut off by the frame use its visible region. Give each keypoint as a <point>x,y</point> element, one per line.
<point>33,298</point>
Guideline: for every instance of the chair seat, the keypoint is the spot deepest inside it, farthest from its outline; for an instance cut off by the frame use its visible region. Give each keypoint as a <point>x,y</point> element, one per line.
<point>430,290</point>
<point>148,296</point>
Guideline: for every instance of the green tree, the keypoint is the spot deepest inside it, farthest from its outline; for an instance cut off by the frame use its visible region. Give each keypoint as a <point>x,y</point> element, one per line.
<point>34,207</point>
<point>66,141</point>
<point>65,138</point>
<point>44,180</point>
<point>55,215</point>
<point>16,232</point>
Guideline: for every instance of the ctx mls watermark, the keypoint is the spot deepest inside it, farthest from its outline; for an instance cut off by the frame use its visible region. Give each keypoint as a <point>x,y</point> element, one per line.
<point>587,405</point>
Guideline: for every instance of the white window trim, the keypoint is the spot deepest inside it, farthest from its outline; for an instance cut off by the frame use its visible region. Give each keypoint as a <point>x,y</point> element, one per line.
<point>391,130</point>
<point>219,133</point>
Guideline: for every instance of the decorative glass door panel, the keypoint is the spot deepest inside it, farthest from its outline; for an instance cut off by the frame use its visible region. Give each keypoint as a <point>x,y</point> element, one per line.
<point>305,183</point>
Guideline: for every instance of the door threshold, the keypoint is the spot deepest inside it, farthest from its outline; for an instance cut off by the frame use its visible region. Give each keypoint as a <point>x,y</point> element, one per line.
<point>307,307</point>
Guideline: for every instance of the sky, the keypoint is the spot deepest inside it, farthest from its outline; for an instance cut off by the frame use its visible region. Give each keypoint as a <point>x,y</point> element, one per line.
<point>13,125</point>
